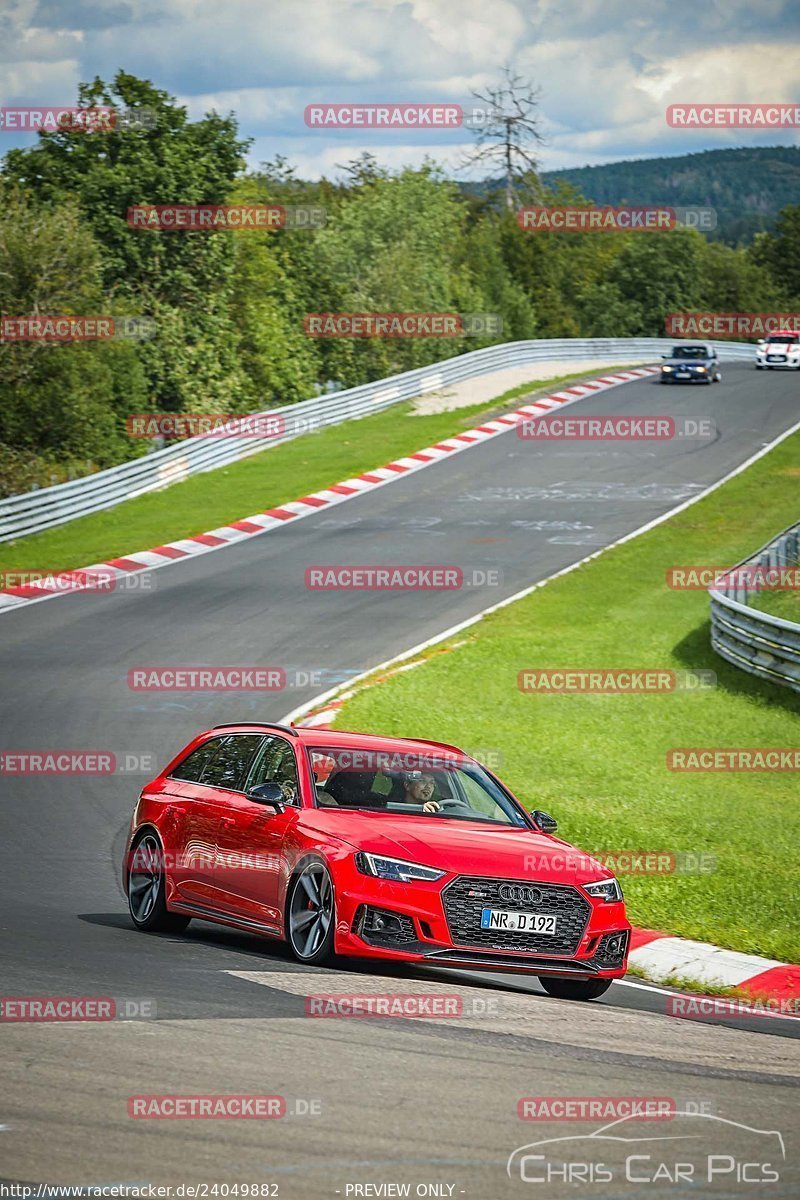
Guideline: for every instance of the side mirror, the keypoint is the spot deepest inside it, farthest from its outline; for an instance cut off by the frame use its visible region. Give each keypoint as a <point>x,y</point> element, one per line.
<point>545,822</point>
<point>270,794</point>
<point>665,356</point>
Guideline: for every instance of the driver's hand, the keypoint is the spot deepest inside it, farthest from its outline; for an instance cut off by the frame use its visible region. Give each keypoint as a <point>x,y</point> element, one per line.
<point>430,806</point>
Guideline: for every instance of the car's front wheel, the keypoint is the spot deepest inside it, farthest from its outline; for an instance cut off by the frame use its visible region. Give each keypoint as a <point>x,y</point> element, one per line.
<point>310,914</point>
<point>574,989</point>
<point>147,889</point>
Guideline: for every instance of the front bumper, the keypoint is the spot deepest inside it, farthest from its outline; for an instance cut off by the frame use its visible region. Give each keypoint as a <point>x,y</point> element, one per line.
<point>420,923</point>
<point>791,361</point>
<point>693,376</point>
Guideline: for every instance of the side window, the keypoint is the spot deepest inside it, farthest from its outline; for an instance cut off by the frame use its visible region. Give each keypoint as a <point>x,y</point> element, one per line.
<point>276,764</point>
<point>229,767</point>
<point>195,763</point>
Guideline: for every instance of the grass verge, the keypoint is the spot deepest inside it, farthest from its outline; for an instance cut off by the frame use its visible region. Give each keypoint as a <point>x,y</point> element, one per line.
<point>598,762</point>
<point>273,477</point>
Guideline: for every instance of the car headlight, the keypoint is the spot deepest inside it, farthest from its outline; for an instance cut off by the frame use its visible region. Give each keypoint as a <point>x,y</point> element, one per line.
<point>666,368</point>
<point>605,889</point>
<point>396,869</point>
<point>704,369</point>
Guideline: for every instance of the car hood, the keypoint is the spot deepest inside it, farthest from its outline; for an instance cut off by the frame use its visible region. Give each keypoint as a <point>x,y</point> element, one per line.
<point>461,847</point>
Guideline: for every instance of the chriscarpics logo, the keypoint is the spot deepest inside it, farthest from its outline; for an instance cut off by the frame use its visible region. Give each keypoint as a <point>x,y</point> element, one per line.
<point>699,1149</point>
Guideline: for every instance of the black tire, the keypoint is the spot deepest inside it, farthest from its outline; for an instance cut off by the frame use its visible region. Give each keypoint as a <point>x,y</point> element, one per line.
<point>147,889</point>
<point>574,989</point>
<point>311,914</point>
<point>759,367</point>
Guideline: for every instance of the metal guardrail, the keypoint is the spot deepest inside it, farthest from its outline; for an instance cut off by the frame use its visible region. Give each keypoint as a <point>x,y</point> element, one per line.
<point>756,641</point>
<point>46,508</point>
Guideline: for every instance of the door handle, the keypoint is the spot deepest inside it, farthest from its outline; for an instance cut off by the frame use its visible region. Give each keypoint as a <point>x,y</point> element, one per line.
<point>227,822</point>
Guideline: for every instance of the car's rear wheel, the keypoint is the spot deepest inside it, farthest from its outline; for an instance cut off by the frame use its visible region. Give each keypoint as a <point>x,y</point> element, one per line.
<point>310,915</point>
<point>147,889</point>
<point>574,989</point>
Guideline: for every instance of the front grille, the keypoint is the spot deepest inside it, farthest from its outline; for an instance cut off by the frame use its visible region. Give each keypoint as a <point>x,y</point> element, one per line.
<point>466,896</point>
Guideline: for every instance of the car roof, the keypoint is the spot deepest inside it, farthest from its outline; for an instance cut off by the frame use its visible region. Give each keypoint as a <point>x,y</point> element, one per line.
<point>704,345</point>
<point>324,738</point>
<point>784,333</point>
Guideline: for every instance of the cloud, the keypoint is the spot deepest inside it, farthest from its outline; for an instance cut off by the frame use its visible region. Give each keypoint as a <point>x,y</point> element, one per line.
<point>607,70</point>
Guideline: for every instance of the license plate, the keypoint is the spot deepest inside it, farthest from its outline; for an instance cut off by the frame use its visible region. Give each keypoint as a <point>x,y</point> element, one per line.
<point>501,918</point>
<point>776,358</point>
<point>683,375</point>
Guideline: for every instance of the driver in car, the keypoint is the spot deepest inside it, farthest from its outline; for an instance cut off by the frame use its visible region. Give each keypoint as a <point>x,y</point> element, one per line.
<point>418,789</point>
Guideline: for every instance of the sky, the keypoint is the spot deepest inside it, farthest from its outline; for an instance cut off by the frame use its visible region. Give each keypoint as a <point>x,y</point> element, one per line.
<point>606,69</point>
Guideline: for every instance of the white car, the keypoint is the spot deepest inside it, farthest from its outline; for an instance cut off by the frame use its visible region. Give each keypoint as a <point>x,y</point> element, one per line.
<point>781,349</point>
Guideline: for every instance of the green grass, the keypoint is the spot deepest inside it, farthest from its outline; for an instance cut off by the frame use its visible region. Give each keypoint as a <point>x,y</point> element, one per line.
<point>597,762</point>
<point>779,604</point>
<point>273,477</point>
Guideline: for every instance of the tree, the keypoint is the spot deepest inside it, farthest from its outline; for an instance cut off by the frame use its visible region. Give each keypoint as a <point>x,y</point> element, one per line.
<point>60,403</point>
<point>184,280</point>
<point>507,131</point>
<point>780,253</point>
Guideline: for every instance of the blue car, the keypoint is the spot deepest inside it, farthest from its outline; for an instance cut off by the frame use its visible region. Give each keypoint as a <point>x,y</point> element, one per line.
<point>692,362</point>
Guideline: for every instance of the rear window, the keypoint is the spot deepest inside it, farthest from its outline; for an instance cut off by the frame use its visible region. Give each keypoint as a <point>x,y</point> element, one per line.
<point>220,762</point>
<point>228,768</point>
<point>783,338</point>
<point>192,767</point>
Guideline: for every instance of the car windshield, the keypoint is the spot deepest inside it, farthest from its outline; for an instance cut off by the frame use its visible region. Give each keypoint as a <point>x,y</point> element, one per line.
<point>689,352</point>
<point>783,337</point>
<point>444,786</point>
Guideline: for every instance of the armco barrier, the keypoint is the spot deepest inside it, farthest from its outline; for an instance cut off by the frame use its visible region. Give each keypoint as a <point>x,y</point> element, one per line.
<point>45,508</point>
<point>753,640</point>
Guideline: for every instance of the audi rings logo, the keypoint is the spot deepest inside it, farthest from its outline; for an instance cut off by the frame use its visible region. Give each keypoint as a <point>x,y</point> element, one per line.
<point>518,893</point>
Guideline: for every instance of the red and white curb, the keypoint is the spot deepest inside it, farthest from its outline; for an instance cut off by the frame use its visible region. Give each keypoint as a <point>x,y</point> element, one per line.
<point>662,957</point>
<point>103,576</point>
